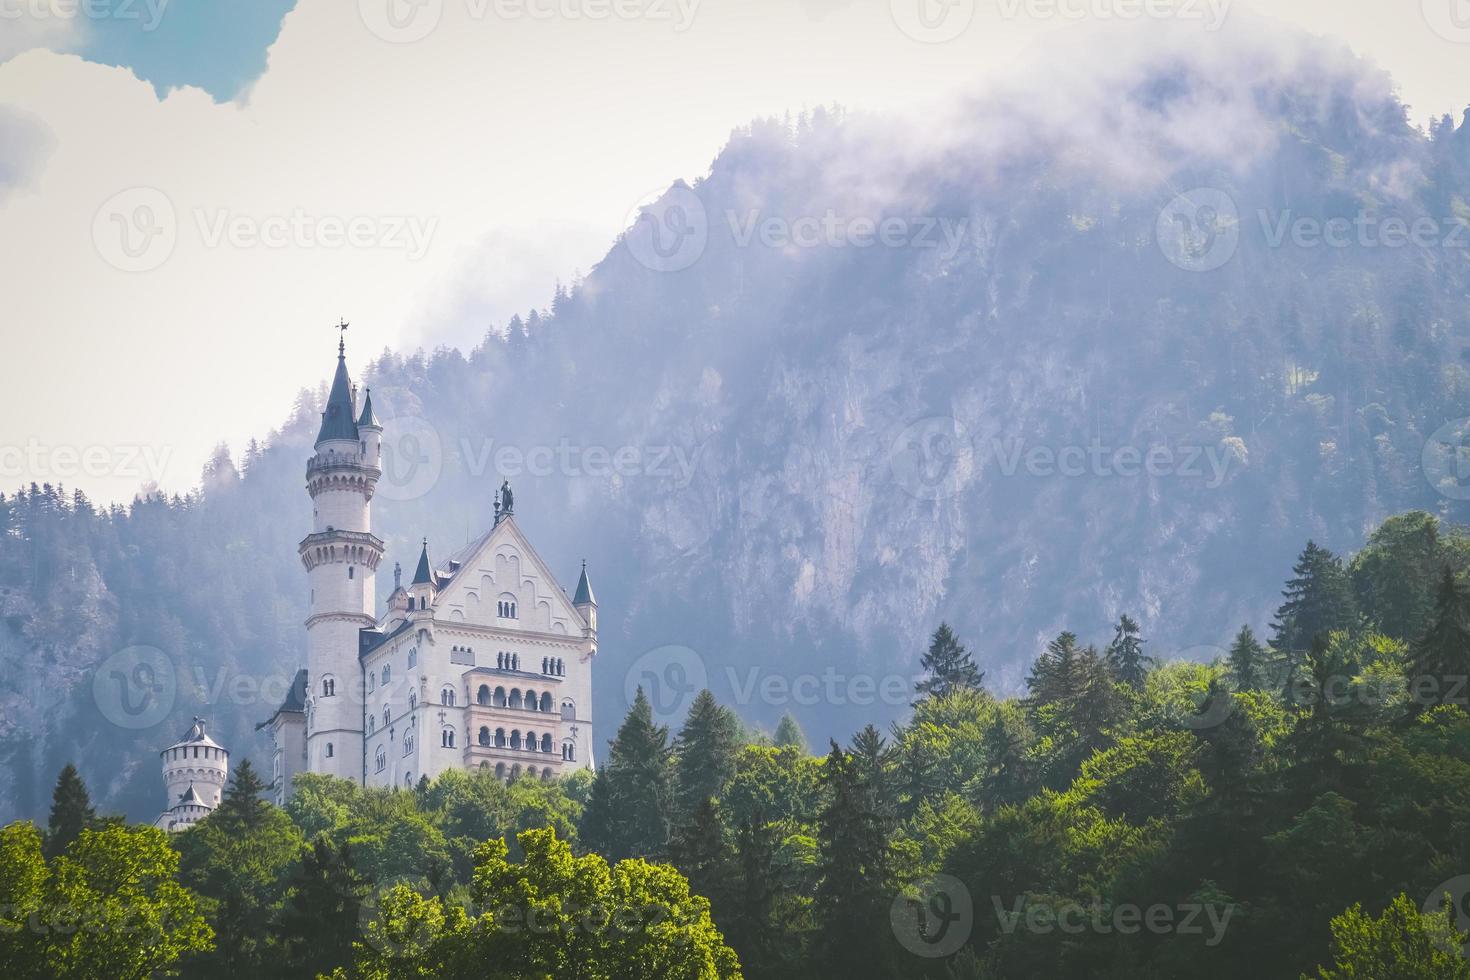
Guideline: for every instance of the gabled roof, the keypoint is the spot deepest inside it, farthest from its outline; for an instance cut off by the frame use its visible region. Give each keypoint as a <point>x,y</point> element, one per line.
<point>337,421</point>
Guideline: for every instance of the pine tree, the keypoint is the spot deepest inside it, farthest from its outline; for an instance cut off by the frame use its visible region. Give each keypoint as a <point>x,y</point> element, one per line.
<point>1053,677</point>
<point>1319,600</point>
<point>1125,654</point>
<point>789,734</point>
<point>71,811</point>
<point>947,666</point>
<point>699,849</point>
<point>1009,775</point>
<point>629,808</point>
<point>320,919</point>
<point>752,930</point>
<point>1246,661</point>
<point>1439,665</point>
<point>855,860</point>
<point>242,811</point>
<point>705,754</point>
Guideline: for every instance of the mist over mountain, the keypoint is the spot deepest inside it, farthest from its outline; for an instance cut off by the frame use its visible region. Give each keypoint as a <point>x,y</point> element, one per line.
<point>1095,343</point>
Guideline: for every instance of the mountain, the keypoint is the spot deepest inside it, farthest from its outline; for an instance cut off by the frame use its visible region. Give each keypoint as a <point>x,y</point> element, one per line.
<point>1116,339</point>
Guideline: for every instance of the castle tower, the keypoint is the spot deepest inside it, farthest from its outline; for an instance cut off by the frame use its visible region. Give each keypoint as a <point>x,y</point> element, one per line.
<point>341,557</point>
<point>586,604</point>
<point>195,770</point>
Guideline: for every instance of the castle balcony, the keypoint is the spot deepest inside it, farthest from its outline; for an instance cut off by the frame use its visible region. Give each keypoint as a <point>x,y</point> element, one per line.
<point>508,763</point>
<point>328,461</point>
<point>356,547</point>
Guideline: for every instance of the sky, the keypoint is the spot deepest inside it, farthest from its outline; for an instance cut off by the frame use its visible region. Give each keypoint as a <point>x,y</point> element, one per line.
<point>193,192</point>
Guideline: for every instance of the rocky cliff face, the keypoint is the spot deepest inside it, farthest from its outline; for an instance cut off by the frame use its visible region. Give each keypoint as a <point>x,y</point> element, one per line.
<point>1060,357</point>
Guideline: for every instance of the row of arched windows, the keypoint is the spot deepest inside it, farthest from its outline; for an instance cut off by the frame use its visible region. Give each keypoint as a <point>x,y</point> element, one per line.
<point>507,661</point>
<point>506,609</point>
<point>514,772</point>
<point>554,666</point>
<point>499,698</point>
<point>516,742</point>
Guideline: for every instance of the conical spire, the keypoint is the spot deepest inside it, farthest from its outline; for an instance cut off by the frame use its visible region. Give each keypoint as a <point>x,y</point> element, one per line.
<point>584,594</point>
<point>367,420</point>
<point>337,420</point>
<point>423,576</point>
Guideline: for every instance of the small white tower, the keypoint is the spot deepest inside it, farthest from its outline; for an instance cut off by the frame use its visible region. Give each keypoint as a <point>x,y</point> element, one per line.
<point>341,557</point>
<point>195,770</point>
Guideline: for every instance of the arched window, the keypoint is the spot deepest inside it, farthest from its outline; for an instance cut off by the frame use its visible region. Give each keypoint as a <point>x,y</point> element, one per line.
<point>381,759</point>
<point>568,709</point>
<point>568,751</point>
<point>545,665</point>
<point>446,697</point>
<point>546,743</point>
<point>387,717</point>
<point>447,738</point>
<point>408,780</point>
<point>350,570</point>
<point>329,686</point>
<point>372,724</point>
<point>387,673</point>
<point>372,681</point>
<point>531,742</point>
<point>413,656</point>
<point>506,607</point>
<point>500,738</point>
<point>499,699</point>
<point>484,738</point>
<point>532,702</point>
<point>546,701</point>
<point>408,743</point>
<point>413,700</point>
<point>329,750</point>
<point>482,696</point>
<point>515,739</point>
<point>499,770</point>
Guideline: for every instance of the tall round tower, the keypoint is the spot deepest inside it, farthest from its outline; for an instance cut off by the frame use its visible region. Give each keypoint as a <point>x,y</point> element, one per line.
<point>341,556</point>
<point>195,769</point>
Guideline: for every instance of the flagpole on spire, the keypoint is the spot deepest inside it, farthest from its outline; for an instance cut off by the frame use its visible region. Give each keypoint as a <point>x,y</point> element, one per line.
<point>342,325</point>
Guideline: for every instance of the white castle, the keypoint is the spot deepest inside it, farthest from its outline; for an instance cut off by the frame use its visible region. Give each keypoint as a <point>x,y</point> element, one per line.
<point>481,662</point>
<point>195,769</point>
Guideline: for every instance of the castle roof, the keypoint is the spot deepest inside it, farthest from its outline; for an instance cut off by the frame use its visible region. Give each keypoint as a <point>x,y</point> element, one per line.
<point>424,575</point>
<point>584,594</point>
<point>190,797</point>
<point>196,735</point>
<point>295,702</point>
<point>367,420</point>
<point>337,422</point>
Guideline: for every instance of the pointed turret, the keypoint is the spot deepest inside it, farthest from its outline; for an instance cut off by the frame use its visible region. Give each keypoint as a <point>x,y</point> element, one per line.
<point>584,594</point>
<point>337,421</point>
<point>424,575</point>
<point>367,420</point>
<point>586,603</point>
